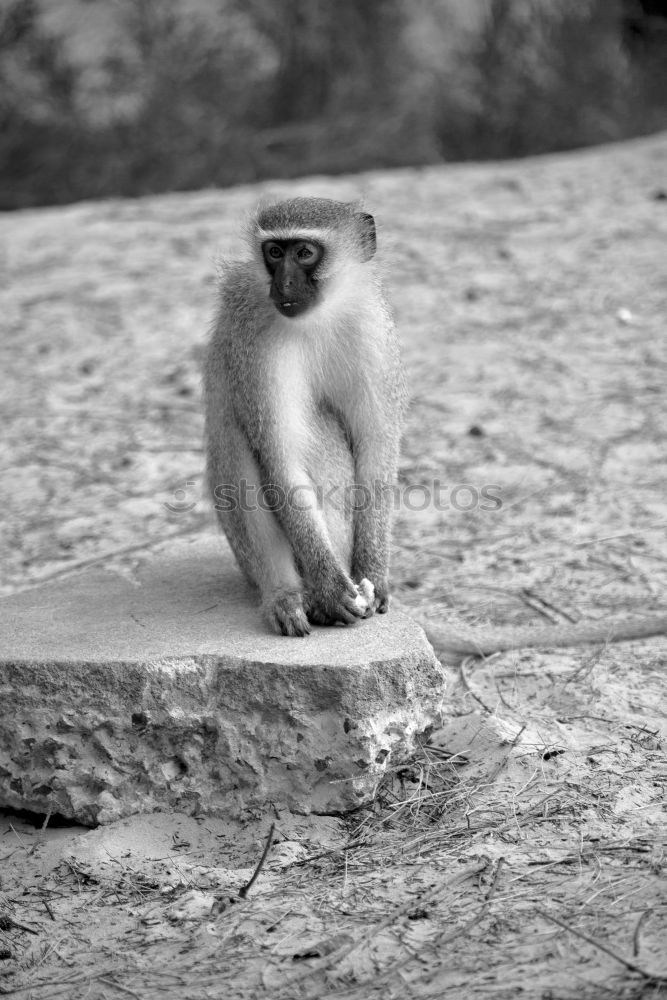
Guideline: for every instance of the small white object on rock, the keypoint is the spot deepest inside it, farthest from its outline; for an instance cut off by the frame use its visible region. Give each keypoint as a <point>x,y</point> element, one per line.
<point>168,692</point>
<point>366,594</point>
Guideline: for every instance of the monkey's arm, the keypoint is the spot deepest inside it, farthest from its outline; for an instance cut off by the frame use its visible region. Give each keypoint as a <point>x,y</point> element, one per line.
<point>375,448</point>
<point>452,646</point>
<point>374,473</point>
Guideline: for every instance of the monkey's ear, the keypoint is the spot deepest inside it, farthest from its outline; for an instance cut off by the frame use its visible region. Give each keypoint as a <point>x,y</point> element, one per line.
<point>368,235</point>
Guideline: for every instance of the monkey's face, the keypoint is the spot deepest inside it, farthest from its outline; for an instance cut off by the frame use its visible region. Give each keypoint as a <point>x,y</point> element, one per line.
<point>292,266</point>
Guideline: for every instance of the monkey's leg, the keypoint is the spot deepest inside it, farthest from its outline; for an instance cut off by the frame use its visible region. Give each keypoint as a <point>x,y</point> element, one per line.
<point>274,572</point>
<point>256,538</point>
<point>279,582</point>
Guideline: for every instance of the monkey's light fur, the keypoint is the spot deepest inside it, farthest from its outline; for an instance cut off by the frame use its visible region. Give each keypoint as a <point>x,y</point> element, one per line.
<point>169,693</point>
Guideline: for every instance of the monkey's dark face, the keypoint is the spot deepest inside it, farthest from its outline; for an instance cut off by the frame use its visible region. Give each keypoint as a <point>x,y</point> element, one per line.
<point>292,265</point>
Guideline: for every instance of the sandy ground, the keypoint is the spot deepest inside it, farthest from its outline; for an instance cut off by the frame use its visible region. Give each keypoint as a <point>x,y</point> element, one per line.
<point>522,851</point>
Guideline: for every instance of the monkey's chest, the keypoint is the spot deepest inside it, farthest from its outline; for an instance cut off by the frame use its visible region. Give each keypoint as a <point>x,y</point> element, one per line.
<point>328,445</point>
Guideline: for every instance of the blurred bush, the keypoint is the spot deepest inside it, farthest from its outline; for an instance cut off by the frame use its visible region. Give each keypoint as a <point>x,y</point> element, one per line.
<point>163,95</point>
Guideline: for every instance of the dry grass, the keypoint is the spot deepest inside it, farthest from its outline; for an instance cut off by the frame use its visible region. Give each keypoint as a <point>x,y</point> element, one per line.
<point>507,856</point>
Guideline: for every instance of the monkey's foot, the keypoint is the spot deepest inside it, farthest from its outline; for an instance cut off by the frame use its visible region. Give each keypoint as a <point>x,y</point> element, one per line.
<point>381,598</point>
<point>286,614</point>
<point>382,602</point>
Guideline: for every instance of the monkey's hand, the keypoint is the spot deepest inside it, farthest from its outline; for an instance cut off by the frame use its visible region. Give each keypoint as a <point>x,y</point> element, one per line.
<point>370,567</point>
<point>334,598</point>
<point>367,593</point>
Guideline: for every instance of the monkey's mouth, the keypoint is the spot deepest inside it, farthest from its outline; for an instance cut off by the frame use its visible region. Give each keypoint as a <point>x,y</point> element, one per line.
<point>291,308</point>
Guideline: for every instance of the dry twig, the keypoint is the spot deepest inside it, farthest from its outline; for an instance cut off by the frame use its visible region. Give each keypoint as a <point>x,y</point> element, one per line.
<point>245,889</point>
<point>655,980</point>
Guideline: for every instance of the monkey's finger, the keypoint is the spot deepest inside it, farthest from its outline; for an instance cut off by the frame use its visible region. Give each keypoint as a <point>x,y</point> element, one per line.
<point>346,612</point>
<point>351,600</point>
<point>357,607</point>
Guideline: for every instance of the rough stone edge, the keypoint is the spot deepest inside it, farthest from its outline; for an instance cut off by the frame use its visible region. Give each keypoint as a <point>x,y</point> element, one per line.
<point>167,742</point>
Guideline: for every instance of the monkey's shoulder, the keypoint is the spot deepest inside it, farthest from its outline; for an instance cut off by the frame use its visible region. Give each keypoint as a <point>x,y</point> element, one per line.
<point>238,294</point>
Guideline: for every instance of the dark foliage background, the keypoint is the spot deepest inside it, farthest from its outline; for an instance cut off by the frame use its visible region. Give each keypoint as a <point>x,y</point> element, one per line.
<point>126,97</point>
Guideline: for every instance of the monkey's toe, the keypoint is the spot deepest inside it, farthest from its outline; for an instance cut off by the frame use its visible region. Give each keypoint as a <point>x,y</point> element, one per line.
<point>382,604</point>
<point>381,601</point>
<point>287,616</point>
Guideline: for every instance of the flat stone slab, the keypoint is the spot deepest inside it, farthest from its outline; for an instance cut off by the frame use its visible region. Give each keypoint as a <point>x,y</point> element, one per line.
<point>166,690</point>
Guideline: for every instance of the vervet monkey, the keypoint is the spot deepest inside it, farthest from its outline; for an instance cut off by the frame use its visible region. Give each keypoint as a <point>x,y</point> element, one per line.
<point>304,398</point>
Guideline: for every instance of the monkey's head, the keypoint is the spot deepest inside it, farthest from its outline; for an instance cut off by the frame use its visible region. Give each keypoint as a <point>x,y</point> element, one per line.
<point>305,243</point>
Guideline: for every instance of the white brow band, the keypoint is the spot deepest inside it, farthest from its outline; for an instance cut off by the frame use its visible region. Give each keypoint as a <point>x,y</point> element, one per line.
<point>293,233</point>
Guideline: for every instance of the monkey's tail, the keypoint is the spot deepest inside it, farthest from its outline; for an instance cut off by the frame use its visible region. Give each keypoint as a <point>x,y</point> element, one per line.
<point>453,645</point>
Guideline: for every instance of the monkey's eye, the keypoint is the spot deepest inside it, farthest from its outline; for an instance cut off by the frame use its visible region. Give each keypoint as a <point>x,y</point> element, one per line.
<point>306,254</point>
<point>274,252</point>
